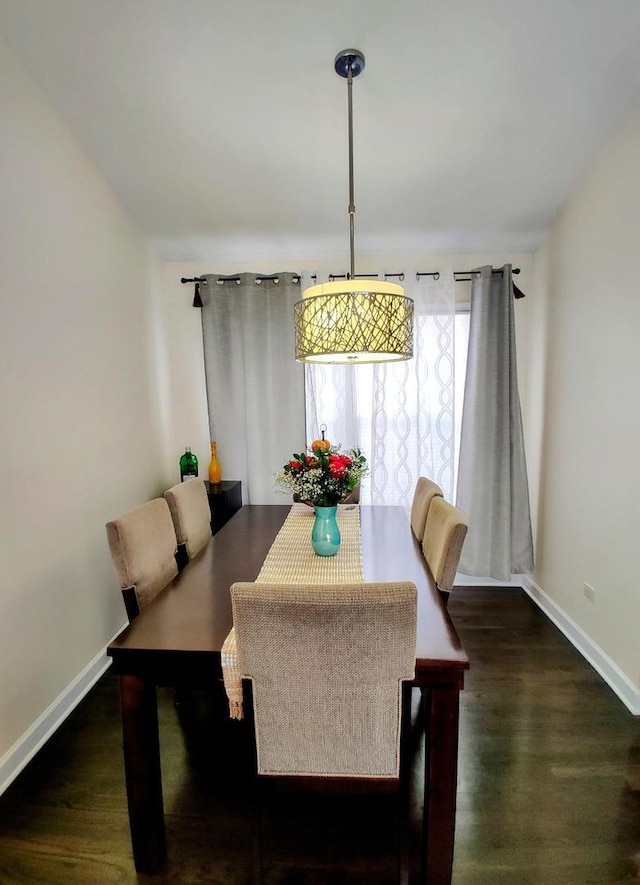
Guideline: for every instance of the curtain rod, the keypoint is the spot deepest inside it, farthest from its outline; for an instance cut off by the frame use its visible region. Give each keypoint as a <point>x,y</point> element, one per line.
<point>461,274</point>
<point>458,275</point>
<point>202,281</point>
<point>274,278</point>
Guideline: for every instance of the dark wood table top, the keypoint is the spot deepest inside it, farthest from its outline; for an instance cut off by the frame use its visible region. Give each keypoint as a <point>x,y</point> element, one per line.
<point>189,620</point>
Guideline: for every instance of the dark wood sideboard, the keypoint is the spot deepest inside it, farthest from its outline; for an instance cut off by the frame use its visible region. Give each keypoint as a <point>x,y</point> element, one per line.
<point>225,499</point>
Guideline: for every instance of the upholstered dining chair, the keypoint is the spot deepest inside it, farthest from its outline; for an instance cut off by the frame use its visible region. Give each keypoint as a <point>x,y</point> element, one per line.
<point>189,506</point>
<point>444,534</point>
<point>426,490</point>
<point>143,547</point>
<point>325,670</point>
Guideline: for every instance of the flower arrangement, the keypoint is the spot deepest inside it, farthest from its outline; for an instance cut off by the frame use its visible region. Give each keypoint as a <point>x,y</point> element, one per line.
<point>323,476</point>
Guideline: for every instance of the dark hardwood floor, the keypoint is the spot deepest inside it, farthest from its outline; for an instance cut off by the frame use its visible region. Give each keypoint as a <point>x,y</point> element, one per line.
<point>549,783</point>
<point>549,763</point>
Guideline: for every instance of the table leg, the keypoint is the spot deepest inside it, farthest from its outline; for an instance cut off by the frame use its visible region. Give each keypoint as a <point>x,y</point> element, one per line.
<point>440,782</point>
<point>142,771</point>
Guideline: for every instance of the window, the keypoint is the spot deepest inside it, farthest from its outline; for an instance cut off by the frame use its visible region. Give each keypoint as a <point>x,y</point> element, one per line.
<point>405,416</point>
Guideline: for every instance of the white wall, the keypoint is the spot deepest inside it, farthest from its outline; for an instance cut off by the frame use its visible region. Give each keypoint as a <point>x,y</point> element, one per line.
<point>585,369</point>
<point>81,343</point>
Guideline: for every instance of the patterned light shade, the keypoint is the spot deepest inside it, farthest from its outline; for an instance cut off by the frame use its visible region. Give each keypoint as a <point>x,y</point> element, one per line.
<point>354,321</point>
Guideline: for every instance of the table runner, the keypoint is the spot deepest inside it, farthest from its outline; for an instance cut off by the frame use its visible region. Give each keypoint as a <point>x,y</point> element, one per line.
<point>292,560</point>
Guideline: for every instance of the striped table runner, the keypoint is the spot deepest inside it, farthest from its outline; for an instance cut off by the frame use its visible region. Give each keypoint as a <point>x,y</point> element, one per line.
<point>292,560</point>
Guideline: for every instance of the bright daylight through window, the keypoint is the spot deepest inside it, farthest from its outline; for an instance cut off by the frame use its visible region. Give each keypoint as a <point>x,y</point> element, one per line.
<point>405,416</point>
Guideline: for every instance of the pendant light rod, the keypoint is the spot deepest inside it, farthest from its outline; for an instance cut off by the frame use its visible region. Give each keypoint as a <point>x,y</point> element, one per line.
<point>352,205</point>
<point>363,319</point>
<point>348,64</point>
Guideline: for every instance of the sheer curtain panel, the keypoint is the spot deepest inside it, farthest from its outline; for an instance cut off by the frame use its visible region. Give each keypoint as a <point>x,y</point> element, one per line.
<point>493,491</point>
<point>402,415</point>
<point>255,387</point>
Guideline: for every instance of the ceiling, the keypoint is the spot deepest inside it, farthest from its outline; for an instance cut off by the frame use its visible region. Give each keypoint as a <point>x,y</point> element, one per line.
<point>222,126</point>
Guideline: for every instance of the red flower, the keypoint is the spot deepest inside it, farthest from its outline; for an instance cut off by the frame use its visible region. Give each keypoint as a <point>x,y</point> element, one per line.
<point>312,463</point>
<point>295,465</point>
<point>338,465</point>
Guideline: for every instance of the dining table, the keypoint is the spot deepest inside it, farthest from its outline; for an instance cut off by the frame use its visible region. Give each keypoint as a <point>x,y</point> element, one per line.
<point>178,639</point>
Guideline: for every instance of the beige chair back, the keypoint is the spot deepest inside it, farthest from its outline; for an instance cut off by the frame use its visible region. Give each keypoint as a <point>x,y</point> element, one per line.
<point>143,546</point>
<point>189,506</point>
<point>426,491</point>
<point>327,664</point>
<point>444,534</point>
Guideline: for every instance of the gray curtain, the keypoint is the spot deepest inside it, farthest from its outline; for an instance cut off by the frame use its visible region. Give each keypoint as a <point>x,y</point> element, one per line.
<point>255,387</point>
<point>493,492</point>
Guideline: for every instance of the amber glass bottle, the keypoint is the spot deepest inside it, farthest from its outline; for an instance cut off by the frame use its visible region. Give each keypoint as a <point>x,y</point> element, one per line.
<point>215,473</point>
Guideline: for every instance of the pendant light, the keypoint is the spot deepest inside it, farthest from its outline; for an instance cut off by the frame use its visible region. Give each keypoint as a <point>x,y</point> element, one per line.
<point>354,320</point>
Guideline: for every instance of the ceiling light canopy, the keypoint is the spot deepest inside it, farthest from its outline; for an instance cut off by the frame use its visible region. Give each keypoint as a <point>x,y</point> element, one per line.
<point>355,320</point>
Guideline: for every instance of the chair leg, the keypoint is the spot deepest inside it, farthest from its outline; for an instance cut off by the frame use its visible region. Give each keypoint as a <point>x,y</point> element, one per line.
<point>416,729</point>
<point>256,790</point>
<point>402,828</point>
<point>256,838</point>
<point>403,800</point>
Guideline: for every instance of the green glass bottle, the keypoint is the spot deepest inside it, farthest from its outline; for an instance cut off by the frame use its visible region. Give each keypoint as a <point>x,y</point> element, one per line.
<point>188,465</point>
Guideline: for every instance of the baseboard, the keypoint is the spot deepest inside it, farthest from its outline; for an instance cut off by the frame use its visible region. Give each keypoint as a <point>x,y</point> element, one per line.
<point>617,681</point>
<point>21,753</point>
<point>462,580</point>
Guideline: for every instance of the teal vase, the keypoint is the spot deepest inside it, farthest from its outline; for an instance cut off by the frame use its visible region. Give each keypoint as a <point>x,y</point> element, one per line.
<point>325,535</point>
